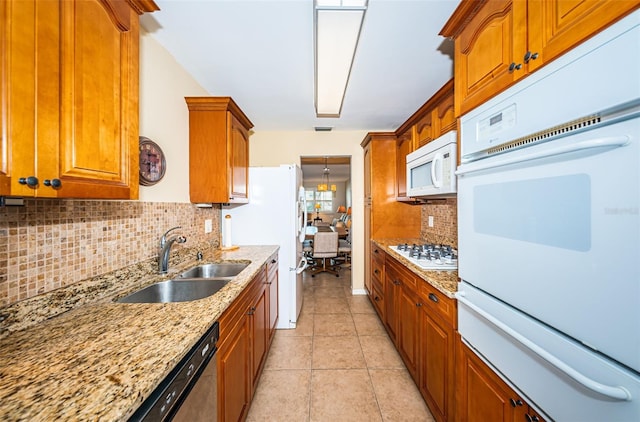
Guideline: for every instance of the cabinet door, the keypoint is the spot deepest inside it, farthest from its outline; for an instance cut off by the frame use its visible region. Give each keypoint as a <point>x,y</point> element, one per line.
<point>238,160</point>
<point>99,100</point>
<point>30,92</point>
<point>367,175</point>
<point>490,43</point>
<point>445,119</point>
<point>259,334</point>
<point>481,394</point>
<point>404,147</point>
<point>425,130</point>
<point>408,307</point>
<point>367,246</point>
<point>436,364</point>
<point>234,374</point>
<point>555,26</point>
<point>391,297</point>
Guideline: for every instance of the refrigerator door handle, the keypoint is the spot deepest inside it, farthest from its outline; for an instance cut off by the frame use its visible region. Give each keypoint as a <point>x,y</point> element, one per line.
<point>301,266</point>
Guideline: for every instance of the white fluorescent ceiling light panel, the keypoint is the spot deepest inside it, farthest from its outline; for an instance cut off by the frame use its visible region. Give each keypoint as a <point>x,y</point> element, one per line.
<point>337,29</point>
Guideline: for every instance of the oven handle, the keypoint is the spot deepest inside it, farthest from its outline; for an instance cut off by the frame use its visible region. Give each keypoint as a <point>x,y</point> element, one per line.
<point>608,142</point>
<point>618,393</point>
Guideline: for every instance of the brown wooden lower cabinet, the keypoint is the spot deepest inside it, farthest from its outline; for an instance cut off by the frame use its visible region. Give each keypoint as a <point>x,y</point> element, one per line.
<point>436,364</point>
<point>245,334</point>
<point>234,389</point>
<point>481,395</point>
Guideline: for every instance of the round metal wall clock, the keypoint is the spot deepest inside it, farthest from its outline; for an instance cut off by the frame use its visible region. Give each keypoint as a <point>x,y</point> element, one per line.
<point>152,162</point>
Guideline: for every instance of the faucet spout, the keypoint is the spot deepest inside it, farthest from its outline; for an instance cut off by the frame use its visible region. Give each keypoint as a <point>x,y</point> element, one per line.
<point>165,249</point>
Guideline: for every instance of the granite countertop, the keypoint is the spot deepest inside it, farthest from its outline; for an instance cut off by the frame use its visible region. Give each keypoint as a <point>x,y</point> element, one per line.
<point>101,360</point>
<point>445,281</point>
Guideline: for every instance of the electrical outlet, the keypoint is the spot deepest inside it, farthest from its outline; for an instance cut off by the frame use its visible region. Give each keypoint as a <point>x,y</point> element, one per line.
<point>430,221</point>
<point>208,225</point>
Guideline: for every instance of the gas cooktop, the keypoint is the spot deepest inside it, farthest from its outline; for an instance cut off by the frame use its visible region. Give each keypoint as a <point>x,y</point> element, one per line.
<point>429,256</point>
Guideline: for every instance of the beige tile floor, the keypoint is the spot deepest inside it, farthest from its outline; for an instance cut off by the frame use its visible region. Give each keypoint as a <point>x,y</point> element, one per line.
<point>337,365</point>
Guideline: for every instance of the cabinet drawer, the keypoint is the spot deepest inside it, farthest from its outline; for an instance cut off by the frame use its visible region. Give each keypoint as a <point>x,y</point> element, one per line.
<point>272,266</point>
<point>377,297</point>
<point>441,304</point>
<point>377,270</point>
<point>378,254</point>
<point>406,277</point>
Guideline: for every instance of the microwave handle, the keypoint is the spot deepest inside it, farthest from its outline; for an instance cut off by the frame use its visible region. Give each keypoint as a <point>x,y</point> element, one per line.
<point>438,159</point>
<point>605,142</point>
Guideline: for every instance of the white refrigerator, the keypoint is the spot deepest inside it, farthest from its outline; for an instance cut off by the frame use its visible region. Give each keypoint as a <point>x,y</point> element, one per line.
<point>275,215</point>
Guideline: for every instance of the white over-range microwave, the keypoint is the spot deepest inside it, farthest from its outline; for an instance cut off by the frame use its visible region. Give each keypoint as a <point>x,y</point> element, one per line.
<point>431,168</point>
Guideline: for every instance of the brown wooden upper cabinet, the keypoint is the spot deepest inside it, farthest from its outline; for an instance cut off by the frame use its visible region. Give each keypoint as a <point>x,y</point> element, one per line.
<point>497,42</point>
<point>69,101</point>
<point>435,118</point>
<point>218,150</point>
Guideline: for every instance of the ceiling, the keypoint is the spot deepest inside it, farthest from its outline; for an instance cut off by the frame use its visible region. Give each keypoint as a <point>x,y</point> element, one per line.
<point>260,52</point>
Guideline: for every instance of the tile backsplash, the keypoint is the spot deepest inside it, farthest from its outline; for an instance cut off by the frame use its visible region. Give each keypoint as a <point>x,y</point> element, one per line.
<point>445,222</point>
<point>51,243</point>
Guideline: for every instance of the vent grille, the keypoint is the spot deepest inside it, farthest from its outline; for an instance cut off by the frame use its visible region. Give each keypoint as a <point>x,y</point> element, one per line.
<point>547,134</point>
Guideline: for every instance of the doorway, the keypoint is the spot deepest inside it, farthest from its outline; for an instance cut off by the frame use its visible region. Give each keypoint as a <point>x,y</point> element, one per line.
<point>327,182</point>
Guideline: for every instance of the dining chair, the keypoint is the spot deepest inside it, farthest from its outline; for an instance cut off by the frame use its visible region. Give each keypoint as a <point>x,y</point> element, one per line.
<point>325,246</point>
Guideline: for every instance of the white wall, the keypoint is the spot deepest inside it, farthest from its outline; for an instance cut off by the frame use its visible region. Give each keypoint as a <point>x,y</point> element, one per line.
<point>272,148</point>
<point>164,117</point>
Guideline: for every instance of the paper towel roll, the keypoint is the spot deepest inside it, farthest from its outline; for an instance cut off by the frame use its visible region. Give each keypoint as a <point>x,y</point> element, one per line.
<point>227,231</point>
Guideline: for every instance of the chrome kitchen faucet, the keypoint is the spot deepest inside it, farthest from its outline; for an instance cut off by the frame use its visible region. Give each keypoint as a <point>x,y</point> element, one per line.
<point>165,248</point>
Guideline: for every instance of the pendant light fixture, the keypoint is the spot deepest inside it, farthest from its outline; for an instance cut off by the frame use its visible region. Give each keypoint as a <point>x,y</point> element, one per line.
<point>326,182</point>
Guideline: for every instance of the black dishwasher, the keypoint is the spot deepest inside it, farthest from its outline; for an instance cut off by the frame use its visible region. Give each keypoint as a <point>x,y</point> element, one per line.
<point>189,392</point>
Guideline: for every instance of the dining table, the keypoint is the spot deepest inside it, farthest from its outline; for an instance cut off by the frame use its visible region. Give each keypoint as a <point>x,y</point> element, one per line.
<point>310,231</point>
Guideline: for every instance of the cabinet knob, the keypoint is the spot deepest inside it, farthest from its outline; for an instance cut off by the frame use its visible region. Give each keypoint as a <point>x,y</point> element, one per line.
<point>273,261</point>
<point>433,298</point>
<point>376,298</point>
<point>31,181</point>
<point>396,282</point>
<point>252,310</point>
<point>513,66</point>
<point>376,272</point>
<point>530,418</point>
<point>515,403</point>
<point>530,56</point>
<point>54,183</point>
<point>418,304</point>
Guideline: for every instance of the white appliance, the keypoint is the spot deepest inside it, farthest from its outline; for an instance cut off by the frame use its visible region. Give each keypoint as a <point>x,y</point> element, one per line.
<point>276,215</point>
<point>431,168</point>
<point>549,231</point>
<point>429,256</point>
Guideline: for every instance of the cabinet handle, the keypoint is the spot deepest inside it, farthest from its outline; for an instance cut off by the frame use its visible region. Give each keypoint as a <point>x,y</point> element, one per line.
<point>273,261</point>
<point>530,56</point>
<point>31,181</point>
<point>375,251</point>
<point>515,403</point>
<point>252,310</point>
<point>433,298</point>
<point>530,418</point>
<point>54,183</point>
<point>418,304</point>
<point>376,272</point>
<point>396,282</point>
<point>376,298</point>
<point>513,66</point>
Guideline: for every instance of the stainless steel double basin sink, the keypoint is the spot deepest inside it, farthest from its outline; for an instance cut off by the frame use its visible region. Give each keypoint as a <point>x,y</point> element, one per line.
<point>196,283</point>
